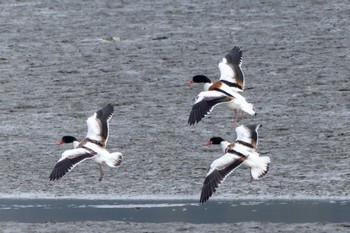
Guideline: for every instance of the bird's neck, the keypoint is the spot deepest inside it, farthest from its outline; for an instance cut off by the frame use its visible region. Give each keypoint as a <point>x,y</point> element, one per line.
<point>224,145</point>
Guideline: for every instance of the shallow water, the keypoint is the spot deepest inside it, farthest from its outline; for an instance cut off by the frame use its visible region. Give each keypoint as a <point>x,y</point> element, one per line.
<point>162,211</point>
<point>61,61</point>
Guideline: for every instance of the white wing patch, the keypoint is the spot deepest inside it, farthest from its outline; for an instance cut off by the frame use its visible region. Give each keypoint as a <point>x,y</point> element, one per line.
<point>226,71</point>
<point>230,69</point>
<point>248,134</point>
<point>222,162</point>
<point>208,95</point>
<point>244,134</point>
<point>72,153</point>
<point>94,128</point>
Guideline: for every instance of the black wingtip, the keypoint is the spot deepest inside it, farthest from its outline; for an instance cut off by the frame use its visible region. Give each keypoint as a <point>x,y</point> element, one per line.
<point>204,200</point>
<point>196,116</point>
<point>211,183</point>
<point>55,175</point>
<point>235,56</point>
<point>109,107</point>
<point>205,195</point>
<point>192,120</point>
<point>202,109</point>
<point>61,168</point>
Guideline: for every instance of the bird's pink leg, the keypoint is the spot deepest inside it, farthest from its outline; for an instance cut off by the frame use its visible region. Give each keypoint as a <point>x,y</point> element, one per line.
<point>251,179</point>
<point>235,119</point>
<point>101,172</point>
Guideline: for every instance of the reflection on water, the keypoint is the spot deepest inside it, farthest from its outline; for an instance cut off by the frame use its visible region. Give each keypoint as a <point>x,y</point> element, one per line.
<point>65,210</point>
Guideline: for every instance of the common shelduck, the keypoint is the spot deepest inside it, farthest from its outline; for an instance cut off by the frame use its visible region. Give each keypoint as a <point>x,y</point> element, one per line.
<point>242,151</point>
<point>223,91</point>
<point>92,147</point>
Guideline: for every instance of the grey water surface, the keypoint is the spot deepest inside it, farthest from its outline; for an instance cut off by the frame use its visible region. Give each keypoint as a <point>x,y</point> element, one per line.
<point>60,61</point>
<point>163,211</point>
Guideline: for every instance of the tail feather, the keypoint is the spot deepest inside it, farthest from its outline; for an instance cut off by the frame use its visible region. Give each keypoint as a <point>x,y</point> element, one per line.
<point>261,168</point>
<point>243,104</point>
<point>248,108</point>
<point>115,159</point>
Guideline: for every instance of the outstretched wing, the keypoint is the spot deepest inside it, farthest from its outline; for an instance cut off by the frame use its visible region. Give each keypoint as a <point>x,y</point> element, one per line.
<point>248,134</point>
<point>69,159</point>
<point>204,104</point>
<point>218,171</point>
<point>98,124</point>
<point>230,69</point>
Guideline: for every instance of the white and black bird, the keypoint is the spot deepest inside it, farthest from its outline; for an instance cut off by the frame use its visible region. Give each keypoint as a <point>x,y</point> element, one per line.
<point>92,147</point>
<point>218,93</point>
<point>241,152</point>
<point>224,91</point>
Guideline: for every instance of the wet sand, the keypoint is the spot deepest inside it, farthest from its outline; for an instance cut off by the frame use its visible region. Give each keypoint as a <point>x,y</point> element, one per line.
<point>60,62</point>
